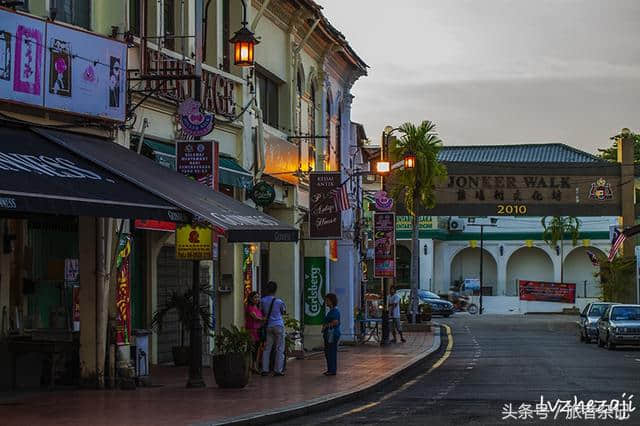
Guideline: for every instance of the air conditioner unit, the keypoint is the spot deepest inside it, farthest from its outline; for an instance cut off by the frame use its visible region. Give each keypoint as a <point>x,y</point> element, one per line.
<point>456,225</point>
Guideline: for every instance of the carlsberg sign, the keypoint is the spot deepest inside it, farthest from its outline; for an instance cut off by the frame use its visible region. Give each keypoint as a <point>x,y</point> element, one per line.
<point>314,289</point>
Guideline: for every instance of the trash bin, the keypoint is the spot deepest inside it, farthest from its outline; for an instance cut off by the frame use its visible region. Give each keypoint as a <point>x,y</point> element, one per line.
<point>141,360</point>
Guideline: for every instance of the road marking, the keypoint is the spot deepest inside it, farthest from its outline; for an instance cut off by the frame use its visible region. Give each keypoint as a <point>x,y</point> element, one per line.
<point>442,359</point>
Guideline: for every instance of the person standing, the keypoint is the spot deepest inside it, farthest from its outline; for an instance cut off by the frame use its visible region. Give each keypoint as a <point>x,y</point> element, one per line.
<point>273,310</point>
<point>253,320</point>
<point>394,307</point>
<point>331,334</point>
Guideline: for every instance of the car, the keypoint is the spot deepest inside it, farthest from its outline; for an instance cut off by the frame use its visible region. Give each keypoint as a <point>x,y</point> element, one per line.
<point>588,322</point>
<point>438,306</point>
<point>619,325</point>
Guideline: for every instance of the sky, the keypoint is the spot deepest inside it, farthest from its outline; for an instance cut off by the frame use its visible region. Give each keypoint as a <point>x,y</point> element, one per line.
<point>497,71</point>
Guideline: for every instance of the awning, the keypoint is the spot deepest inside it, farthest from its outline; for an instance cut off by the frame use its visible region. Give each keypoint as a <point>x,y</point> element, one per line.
<point>67,173</point>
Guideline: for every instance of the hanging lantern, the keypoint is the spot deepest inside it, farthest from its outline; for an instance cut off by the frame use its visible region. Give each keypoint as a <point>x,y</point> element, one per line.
<point>409,160</point>
<point>244,42</point>
<point>383,167</point>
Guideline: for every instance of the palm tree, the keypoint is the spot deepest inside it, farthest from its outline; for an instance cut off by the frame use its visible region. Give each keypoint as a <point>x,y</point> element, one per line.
<point>416,186</point>
<point>555,229</point>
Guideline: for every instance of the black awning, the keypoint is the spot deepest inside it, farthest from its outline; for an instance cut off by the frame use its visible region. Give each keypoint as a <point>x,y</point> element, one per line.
<point>41,177</point>
<point>237,221</point>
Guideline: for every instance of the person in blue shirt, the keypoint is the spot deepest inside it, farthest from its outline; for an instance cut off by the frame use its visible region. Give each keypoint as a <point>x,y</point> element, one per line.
<point>273,309</point>
<point>331,334</point>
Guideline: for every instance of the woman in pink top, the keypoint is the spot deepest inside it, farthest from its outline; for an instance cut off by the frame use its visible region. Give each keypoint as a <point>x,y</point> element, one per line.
<point>253,320</point>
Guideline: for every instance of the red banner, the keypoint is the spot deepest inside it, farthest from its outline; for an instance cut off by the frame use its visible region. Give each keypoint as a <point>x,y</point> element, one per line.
<point>155,225</point>
<point>547,292</point>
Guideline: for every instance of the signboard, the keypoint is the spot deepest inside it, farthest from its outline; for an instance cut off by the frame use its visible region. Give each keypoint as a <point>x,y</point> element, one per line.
<point>195,122</point>
<point>123,292</point>
<point>384,237</point>
<point>314,289</point>
<point>384,203</point>
<point>405,223</point>
<point>194,242</point>
<point>325,221</point>
<point>263,194</point>
<point>53,66</point>
<point>247,270</point>
<point>547,292</point>
<point>199,161</point>
<point>522,190</point>
<point>155,225</point>
<point>472,284</point>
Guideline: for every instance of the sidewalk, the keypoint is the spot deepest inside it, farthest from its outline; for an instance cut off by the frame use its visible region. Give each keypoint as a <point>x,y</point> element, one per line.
<point>359,368</point>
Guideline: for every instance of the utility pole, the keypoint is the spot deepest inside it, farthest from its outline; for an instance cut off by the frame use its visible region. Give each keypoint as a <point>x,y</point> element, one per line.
<point>493,224</point>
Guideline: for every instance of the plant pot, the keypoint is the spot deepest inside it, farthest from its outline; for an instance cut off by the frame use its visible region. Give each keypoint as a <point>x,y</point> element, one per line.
<point>231,370</point>
<point>181,355</point>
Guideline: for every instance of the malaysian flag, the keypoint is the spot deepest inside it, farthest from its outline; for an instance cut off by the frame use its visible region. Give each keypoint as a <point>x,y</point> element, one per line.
<point>593,258</point>
<point>341,198</point>
<point>616,243</point>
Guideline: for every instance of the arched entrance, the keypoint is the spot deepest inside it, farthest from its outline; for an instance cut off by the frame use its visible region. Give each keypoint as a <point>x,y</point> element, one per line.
<point>578,269</point>
<point>466,264</point>
<point>528,263</point>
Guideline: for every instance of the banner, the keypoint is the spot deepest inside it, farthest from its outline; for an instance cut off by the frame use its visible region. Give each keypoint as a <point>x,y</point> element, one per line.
<point>199,161</point>
<point>547,292</point>
<point>123,292</point>
<point>314,289</point>
<point>325,221</point>
<point>194,242</point>
<point>247,270</point>
<point>385,245</point>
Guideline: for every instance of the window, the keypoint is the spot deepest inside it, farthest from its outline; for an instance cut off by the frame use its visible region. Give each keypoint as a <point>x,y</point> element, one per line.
<point>226,35</point>
<point>329,138</point>
<point>75,12</point>
<point>299,92</point>
<point>338,147</point>
<point>268,99</point>
<point>169,24</point>
<point>134,17</point>
<point>312,128</point>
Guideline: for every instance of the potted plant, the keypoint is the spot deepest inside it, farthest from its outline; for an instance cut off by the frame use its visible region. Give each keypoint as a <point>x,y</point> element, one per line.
<point>231,360</point>
<point>182,304</point>
<point>293,334</point>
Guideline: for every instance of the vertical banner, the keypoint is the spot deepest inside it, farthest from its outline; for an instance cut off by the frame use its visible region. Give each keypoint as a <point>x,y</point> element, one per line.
<point>72,280</point>
<point>325,221</point>
<point>315,273</point>
<point>385,244</point>
<point>333,250</point>
<point>123,292</point>
<point>199,161</point>
<point>247,270</point>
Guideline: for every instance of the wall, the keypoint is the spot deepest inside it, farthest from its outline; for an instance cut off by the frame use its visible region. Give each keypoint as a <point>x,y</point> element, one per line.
<point>512,305</point>
<point>528,263</point>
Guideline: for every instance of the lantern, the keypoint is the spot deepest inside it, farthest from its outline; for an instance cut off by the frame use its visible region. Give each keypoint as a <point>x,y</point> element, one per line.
<point>383,167</point>
<point>409,160</point>
<point>243,45</point>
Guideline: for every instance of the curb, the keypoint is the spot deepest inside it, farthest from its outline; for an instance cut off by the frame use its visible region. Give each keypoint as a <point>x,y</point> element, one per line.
<point>324,402</point>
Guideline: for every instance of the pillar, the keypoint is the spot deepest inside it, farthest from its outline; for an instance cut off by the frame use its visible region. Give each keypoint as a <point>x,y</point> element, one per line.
<point>627,179</point>
<point>426,265</point>
<point>501,273</point>
<point>87,296</point>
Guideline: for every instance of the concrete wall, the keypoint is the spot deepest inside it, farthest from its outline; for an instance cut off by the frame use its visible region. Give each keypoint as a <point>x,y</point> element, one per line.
<point>512,305</point>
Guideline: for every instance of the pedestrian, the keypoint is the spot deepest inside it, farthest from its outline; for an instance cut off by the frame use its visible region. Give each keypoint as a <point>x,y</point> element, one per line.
<point>394,307</point>
<point>253,320</point>
<point>273,309</point>
<point>331,334</point>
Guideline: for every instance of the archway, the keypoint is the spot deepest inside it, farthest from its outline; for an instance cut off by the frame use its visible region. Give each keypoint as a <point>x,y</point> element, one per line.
<point>466,264</point>
<point>578,269</point>
<point>528,263</point>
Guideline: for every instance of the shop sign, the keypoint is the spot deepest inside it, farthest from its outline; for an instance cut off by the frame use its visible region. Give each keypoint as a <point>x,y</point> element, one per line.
<point>405,223</point>
<point>194,121</point>
<point>194,242</point>
<point>155,225</point>
<point>314,289</point>
<point>56,67</point>
<point>384,203</point>
<point>547,292</point>
<point>123,292</point>
<point>325,221</point>
<point>75,308</point>
<point>385,245</point>
<point>263,194</point>
<point>199,161</point>
<point>71,270</point>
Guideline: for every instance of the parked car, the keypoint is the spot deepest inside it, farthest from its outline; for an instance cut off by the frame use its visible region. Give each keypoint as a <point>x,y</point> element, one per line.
<point>619,325</point>
<point>438,306</point>
<point>588,322</point>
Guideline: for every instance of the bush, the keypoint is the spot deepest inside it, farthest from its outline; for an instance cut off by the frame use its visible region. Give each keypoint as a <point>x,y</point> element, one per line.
<point>233,340</point>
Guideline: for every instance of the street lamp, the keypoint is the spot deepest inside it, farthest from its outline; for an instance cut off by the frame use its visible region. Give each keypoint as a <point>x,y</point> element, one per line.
<point>244,42</point>
<point>409,160</point>
<point>493,224</point>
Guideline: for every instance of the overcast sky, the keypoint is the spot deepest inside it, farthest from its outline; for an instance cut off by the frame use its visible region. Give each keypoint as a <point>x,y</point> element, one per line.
<point>497,71</point>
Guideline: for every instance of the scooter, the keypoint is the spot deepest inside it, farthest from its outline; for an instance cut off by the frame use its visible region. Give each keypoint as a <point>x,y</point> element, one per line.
<point>463,303</point>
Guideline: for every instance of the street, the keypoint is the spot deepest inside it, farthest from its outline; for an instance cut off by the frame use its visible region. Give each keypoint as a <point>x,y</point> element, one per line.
<point>496,360</point>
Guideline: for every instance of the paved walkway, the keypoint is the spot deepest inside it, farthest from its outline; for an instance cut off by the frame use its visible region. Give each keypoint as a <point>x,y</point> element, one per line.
<point>359,367</point>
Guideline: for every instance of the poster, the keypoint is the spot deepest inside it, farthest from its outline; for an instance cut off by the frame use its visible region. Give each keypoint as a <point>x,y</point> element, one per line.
<point>314,289</point>
<point>199,161</point>
<point>193,242</point>
<point>547,292</point>
<point>247,270</point>
<point>384,245</point>
<point>123,292</point>
<point>325,221</point>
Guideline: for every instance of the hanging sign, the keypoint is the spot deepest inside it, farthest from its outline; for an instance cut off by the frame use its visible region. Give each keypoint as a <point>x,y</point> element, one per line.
<point>123,292</point>
<point>384,203</point>
<point>385,245</point>
<point>195,122</point>
<point>199,161</point>
<point>314,289</point>
<point>263,194</point>
<point>194,242</point>
<point>325,221</point>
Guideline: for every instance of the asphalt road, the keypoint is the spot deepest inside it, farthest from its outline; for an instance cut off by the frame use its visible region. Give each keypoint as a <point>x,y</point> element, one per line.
<point>493,361</point>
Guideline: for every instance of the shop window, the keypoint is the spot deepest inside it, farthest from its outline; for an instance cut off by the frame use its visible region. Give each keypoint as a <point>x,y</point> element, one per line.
<point>75,12</point>
<point>268,99</point>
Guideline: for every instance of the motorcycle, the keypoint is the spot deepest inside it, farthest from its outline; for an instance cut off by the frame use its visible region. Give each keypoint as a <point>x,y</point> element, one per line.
<point>462,303</point>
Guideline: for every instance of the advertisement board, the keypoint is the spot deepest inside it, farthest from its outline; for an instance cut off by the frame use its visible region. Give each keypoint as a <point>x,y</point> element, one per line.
<point>314,289</point>
<point>52,66</point>
<point>325,221</point>
<point>385,245</point>
<point>194,242</point>
<point>199,161</point>
<point>547,292</point>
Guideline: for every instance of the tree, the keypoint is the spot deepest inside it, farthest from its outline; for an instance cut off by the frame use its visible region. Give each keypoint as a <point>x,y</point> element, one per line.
<point>416,187</point>
<point>555,230</point>
<point>616,278</point>
<point>611,154</point>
